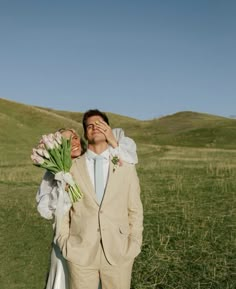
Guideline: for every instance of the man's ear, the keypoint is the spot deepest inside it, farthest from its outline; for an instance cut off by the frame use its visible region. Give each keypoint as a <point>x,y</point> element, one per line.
<point>85,135</point>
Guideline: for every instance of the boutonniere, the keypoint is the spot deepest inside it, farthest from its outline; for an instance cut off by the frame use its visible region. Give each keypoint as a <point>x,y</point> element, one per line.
<point>116,162</point>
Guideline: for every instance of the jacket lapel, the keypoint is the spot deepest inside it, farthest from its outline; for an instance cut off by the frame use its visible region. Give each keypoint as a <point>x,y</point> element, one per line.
<point>82,176</point>
<point>110,178</point>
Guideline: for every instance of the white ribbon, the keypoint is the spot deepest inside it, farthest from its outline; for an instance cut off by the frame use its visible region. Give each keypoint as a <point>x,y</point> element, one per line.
<point>65,177</point>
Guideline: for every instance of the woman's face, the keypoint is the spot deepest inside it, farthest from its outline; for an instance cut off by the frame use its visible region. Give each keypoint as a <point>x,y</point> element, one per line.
<point>76,149</point>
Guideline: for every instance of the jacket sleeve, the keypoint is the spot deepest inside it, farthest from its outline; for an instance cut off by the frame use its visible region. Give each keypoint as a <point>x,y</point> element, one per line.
<point>135,209</point>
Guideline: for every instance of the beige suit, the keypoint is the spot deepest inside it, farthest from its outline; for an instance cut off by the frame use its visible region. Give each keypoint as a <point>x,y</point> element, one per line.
<point>117,222</point>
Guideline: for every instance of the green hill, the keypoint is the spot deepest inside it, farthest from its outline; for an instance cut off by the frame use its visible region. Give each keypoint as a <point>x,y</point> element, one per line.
<point>192,129</point>
<point>25,124</point>
<point>22,125</point>
<point>187,189</point>
<point>127,123</point>
<point>180,129</point>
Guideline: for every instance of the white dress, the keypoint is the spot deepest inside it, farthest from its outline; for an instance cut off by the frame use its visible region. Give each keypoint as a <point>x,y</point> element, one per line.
<point>53,202</point>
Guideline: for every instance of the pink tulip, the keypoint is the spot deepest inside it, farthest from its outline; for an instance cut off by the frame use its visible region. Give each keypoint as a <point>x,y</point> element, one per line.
<point>41,145</point>
<point>46,154</point>
<point>44,138</point>
<point>58,137</point>
<point>37,159</point>
<point>49,141</point>
<point>42,153</point>
<point>39,151</point>
<point>48,144</point>
<point>55,143</point>
<point>51,137</point>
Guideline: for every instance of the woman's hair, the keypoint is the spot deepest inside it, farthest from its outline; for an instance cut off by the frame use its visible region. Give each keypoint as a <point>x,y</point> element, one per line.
<point>82,141</point>
<point>61,130</point>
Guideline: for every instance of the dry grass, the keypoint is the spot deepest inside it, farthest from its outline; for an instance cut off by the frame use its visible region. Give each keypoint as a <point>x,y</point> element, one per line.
<point>189,197</point>
<point>189,238</point>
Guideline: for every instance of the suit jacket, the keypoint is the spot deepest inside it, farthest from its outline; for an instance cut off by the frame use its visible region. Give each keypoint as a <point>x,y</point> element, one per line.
<point>117,222</point>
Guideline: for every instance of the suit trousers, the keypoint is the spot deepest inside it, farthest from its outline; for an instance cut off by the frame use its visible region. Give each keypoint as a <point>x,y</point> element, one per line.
<point>112,276</point>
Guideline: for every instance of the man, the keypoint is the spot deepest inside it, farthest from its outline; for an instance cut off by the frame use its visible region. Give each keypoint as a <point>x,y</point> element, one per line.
<point>102,234</point>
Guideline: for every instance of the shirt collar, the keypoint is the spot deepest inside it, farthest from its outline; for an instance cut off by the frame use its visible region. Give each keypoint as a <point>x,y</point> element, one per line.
<point>105,154</point>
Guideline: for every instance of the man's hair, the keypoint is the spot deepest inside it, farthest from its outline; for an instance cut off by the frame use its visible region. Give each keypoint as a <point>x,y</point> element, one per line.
<point>93,112</point>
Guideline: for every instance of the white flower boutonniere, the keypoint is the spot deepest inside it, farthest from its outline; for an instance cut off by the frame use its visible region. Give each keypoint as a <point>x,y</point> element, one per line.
<point>116,162</point>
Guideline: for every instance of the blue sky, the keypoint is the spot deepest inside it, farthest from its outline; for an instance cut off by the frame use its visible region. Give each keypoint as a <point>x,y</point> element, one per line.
<point>142,59</point>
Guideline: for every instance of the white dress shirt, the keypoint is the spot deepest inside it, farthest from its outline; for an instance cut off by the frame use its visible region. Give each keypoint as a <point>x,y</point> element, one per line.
<point>90,166</point>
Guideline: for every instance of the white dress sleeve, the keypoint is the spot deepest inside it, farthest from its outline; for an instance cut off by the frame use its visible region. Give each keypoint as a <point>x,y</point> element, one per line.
<point>46,196</point>
<point>126,147</point>
<point>51,200</point>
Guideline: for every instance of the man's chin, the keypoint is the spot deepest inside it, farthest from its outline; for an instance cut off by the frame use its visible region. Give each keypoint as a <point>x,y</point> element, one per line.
<point>99,138</point>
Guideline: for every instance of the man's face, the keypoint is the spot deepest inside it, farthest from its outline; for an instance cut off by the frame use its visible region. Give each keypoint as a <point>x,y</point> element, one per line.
<point>93,135</point>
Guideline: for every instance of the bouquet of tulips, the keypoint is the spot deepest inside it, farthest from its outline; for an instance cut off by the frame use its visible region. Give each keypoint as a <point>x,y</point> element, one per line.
<point>54,154</point>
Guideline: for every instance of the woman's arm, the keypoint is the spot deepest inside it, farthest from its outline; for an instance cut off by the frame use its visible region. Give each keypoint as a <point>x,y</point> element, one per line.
<point>126,147</point>
<point>120,145</point>
<point>46,196</point>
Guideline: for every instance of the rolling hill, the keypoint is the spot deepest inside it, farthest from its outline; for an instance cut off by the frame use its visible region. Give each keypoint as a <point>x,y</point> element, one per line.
<point>187,189</point>
<point>24,124</point>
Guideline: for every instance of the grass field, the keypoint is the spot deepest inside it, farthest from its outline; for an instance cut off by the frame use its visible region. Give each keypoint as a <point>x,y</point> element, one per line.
<point>187,170</point>
<point>189,198</point>
<point>190,212</point>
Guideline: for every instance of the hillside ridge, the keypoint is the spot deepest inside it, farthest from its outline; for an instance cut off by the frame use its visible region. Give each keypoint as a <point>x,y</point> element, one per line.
<point>186,128</point>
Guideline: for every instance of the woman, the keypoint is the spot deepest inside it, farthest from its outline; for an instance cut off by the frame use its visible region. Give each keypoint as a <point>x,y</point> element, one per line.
<point>53,200</point>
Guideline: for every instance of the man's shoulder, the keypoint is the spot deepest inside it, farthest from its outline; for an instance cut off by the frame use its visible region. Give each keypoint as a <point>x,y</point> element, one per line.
<point>127,166</point>
<point>129,171</point>
<point>78,161</point>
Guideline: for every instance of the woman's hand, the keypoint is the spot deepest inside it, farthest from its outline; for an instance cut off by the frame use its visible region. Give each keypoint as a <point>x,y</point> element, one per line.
<point>104,128</point>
